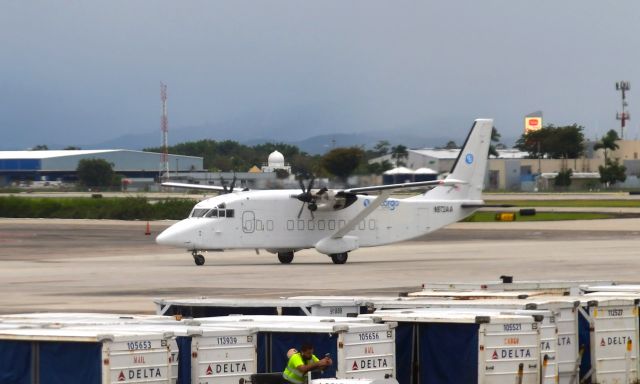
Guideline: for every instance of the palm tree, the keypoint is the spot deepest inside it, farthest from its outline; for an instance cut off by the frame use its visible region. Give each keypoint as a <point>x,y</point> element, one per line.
<point>495,138</point>
<point>608,142</point>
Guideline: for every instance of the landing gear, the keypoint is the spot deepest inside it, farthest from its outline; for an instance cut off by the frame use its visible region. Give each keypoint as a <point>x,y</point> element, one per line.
<point>285,257</point>
<point>197,258</point>
<point>339,258</point>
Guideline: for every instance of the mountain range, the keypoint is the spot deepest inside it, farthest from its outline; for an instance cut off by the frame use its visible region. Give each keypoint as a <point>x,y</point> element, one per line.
<point>317,144</point>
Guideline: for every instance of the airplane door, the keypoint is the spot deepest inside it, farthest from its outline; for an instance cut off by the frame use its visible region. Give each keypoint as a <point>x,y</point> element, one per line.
<point>248,221</point>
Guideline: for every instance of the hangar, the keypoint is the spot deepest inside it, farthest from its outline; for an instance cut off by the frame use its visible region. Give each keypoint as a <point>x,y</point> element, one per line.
<point>18,166</point>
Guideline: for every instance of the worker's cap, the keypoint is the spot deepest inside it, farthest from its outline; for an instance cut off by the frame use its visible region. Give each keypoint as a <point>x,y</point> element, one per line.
<point>291,352</point>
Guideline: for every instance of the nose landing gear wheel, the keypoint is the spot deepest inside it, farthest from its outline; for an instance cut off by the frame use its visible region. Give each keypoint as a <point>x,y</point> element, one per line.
<point>198,259</point>
<point>339,258</point>
<point>285,257</point>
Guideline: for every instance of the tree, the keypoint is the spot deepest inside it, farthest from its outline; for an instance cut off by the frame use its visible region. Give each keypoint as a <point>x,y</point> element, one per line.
<point>565,142</point>
<point>495,138</point>
<point>72,148</point>
<point>563,179</point>
<point>381,148</point>
<point>379,168</point>
<point>40,147</point>
<point>341,162</point>
<point>612,172</point>
<point>451,145</point>
<point>95,173</point>
<point>398,153</point>
<point>608,142</point>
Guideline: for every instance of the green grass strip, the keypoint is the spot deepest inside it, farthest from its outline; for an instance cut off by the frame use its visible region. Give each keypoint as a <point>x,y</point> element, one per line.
<point>130,208</point>
<point>541,216</point>
<point>570,203</point>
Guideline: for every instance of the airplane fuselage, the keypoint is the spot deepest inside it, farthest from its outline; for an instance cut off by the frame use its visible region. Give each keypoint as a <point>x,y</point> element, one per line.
<point>269,220</point>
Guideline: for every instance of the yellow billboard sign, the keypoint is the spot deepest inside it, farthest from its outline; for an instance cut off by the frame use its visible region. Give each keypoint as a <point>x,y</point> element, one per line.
<point>532,124</point>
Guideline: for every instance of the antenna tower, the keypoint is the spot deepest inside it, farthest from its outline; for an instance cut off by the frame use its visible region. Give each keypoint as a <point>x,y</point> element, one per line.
<point>623,87</point>
<point>164,128</point>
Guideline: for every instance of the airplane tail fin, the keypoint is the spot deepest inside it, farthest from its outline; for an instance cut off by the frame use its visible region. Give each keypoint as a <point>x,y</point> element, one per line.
<point>470,166</point>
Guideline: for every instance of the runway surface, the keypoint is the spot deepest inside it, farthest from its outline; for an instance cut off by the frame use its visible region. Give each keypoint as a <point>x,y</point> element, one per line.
<point>84,265</point>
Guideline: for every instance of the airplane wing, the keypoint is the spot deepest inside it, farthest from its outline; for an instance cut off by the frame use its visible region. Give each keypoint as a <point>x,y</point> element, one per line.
<point>195,186</point>
<point>348,227</point>
<point>417,184</point>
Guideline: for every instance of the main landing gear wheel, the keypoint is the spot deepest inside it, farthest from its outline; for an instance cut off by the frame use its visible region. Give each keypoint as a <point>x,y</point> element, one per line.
<point>339,258</point>
<point>285,257</point>
<point>198,259</point>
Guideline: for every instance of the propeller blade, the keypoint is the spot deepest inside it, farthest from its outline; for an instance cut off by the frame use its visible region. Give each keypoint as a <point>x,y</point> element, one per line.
<point>301,209</point>
<point>311,184</point>
<point>224,185</point>
<point>301,185</point>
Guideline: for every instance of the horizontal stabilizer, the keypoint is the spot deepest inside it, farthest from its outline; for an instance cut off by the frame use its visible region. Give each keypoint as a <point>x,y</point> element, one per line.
<point>194,186</point>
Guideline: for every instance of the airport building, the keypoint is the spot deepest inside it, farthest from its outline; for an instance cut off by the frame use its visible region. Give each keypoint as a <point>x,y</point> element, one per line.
<point>512,170</point>
<point>61,166</point>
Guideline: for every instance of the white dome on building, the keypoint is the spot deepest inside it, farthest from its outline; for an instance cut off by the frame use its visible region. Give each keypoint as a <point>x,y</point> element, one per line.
<point>276,159</point>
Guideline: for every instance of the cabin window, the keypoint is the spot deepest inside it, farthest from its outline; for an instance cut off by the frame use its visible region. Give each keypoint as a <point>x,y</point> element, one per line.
<point>230,212</point>
<point>222,213</point>
<point>321,225</point>
<point>269,225</point>
<point>259,225</point>
<point>300,225</point>
<point>311,225</point>
<point>290,225</point>
<point>332,225</point>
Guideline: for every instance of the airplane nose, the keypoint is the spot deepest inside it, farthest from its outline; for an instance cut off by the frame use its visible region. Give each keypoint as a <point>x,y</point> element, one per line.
<point>180,234</point>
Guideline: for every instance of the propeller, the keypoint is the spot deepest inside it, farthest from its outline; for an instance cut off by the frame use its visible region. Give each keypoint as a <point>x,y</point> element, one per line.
<point>307,197</point>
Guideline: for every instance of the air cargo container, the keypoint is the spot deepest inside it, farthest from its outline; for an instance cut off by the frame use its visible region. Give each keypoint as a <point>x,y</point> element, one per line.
<point>39,355</point>
<point>208,307</point>
<point>438,346</point>
<point>359,350</point>
<point>203,355</point>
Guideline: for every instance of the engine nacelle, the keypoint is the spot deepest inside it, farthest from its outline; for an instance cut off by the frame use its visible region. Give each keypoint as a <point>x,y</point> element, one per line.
<point>329,200</point>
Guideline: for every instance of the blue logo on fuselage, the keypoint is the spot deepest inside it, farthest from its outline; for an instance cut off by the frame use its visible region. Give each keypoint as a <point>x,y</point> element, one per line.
<point>389,204</point>
<point>468,158</point>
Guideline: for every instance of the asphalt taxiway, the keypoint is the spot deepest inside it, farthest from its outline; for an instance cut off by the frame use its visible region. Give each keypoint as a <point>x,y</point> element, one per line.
<point>85,265</point>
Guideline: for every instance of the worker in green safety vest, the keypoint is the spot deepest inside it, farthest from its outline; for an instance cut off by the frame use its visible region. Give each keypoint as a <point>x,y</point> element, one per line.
<point>300,363</point>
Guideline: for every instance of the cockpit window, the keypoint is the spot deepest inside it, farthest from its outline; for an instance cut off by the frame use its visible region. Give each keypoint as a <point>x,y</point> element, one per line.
<point>198,212</point>
<point>212,213</point>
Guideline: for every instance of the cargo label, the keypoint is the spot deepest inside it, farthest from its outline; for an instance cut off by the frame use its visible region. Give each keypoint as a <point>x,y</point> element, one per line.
<point>139,373</point>
<point>511,353</point>
<point>615,340</point>
<point>564,340</point>
<point>372,363</point>
<point>221,368</point>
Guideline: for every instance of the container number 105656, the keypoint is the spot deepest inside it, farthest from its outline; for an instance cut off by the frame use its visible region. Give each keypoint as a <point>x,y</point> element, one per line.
<point>366,336</point>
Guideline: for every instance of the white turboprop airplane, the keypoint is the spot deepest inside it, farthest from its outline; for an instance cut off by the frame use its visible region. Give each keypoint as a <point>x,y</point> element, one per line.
<point>336,221</point>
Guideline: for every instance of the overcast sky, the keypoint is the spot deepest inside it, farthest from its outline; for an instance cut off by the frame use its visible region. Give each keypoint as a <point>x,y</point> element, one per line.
<point>76,72</point>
